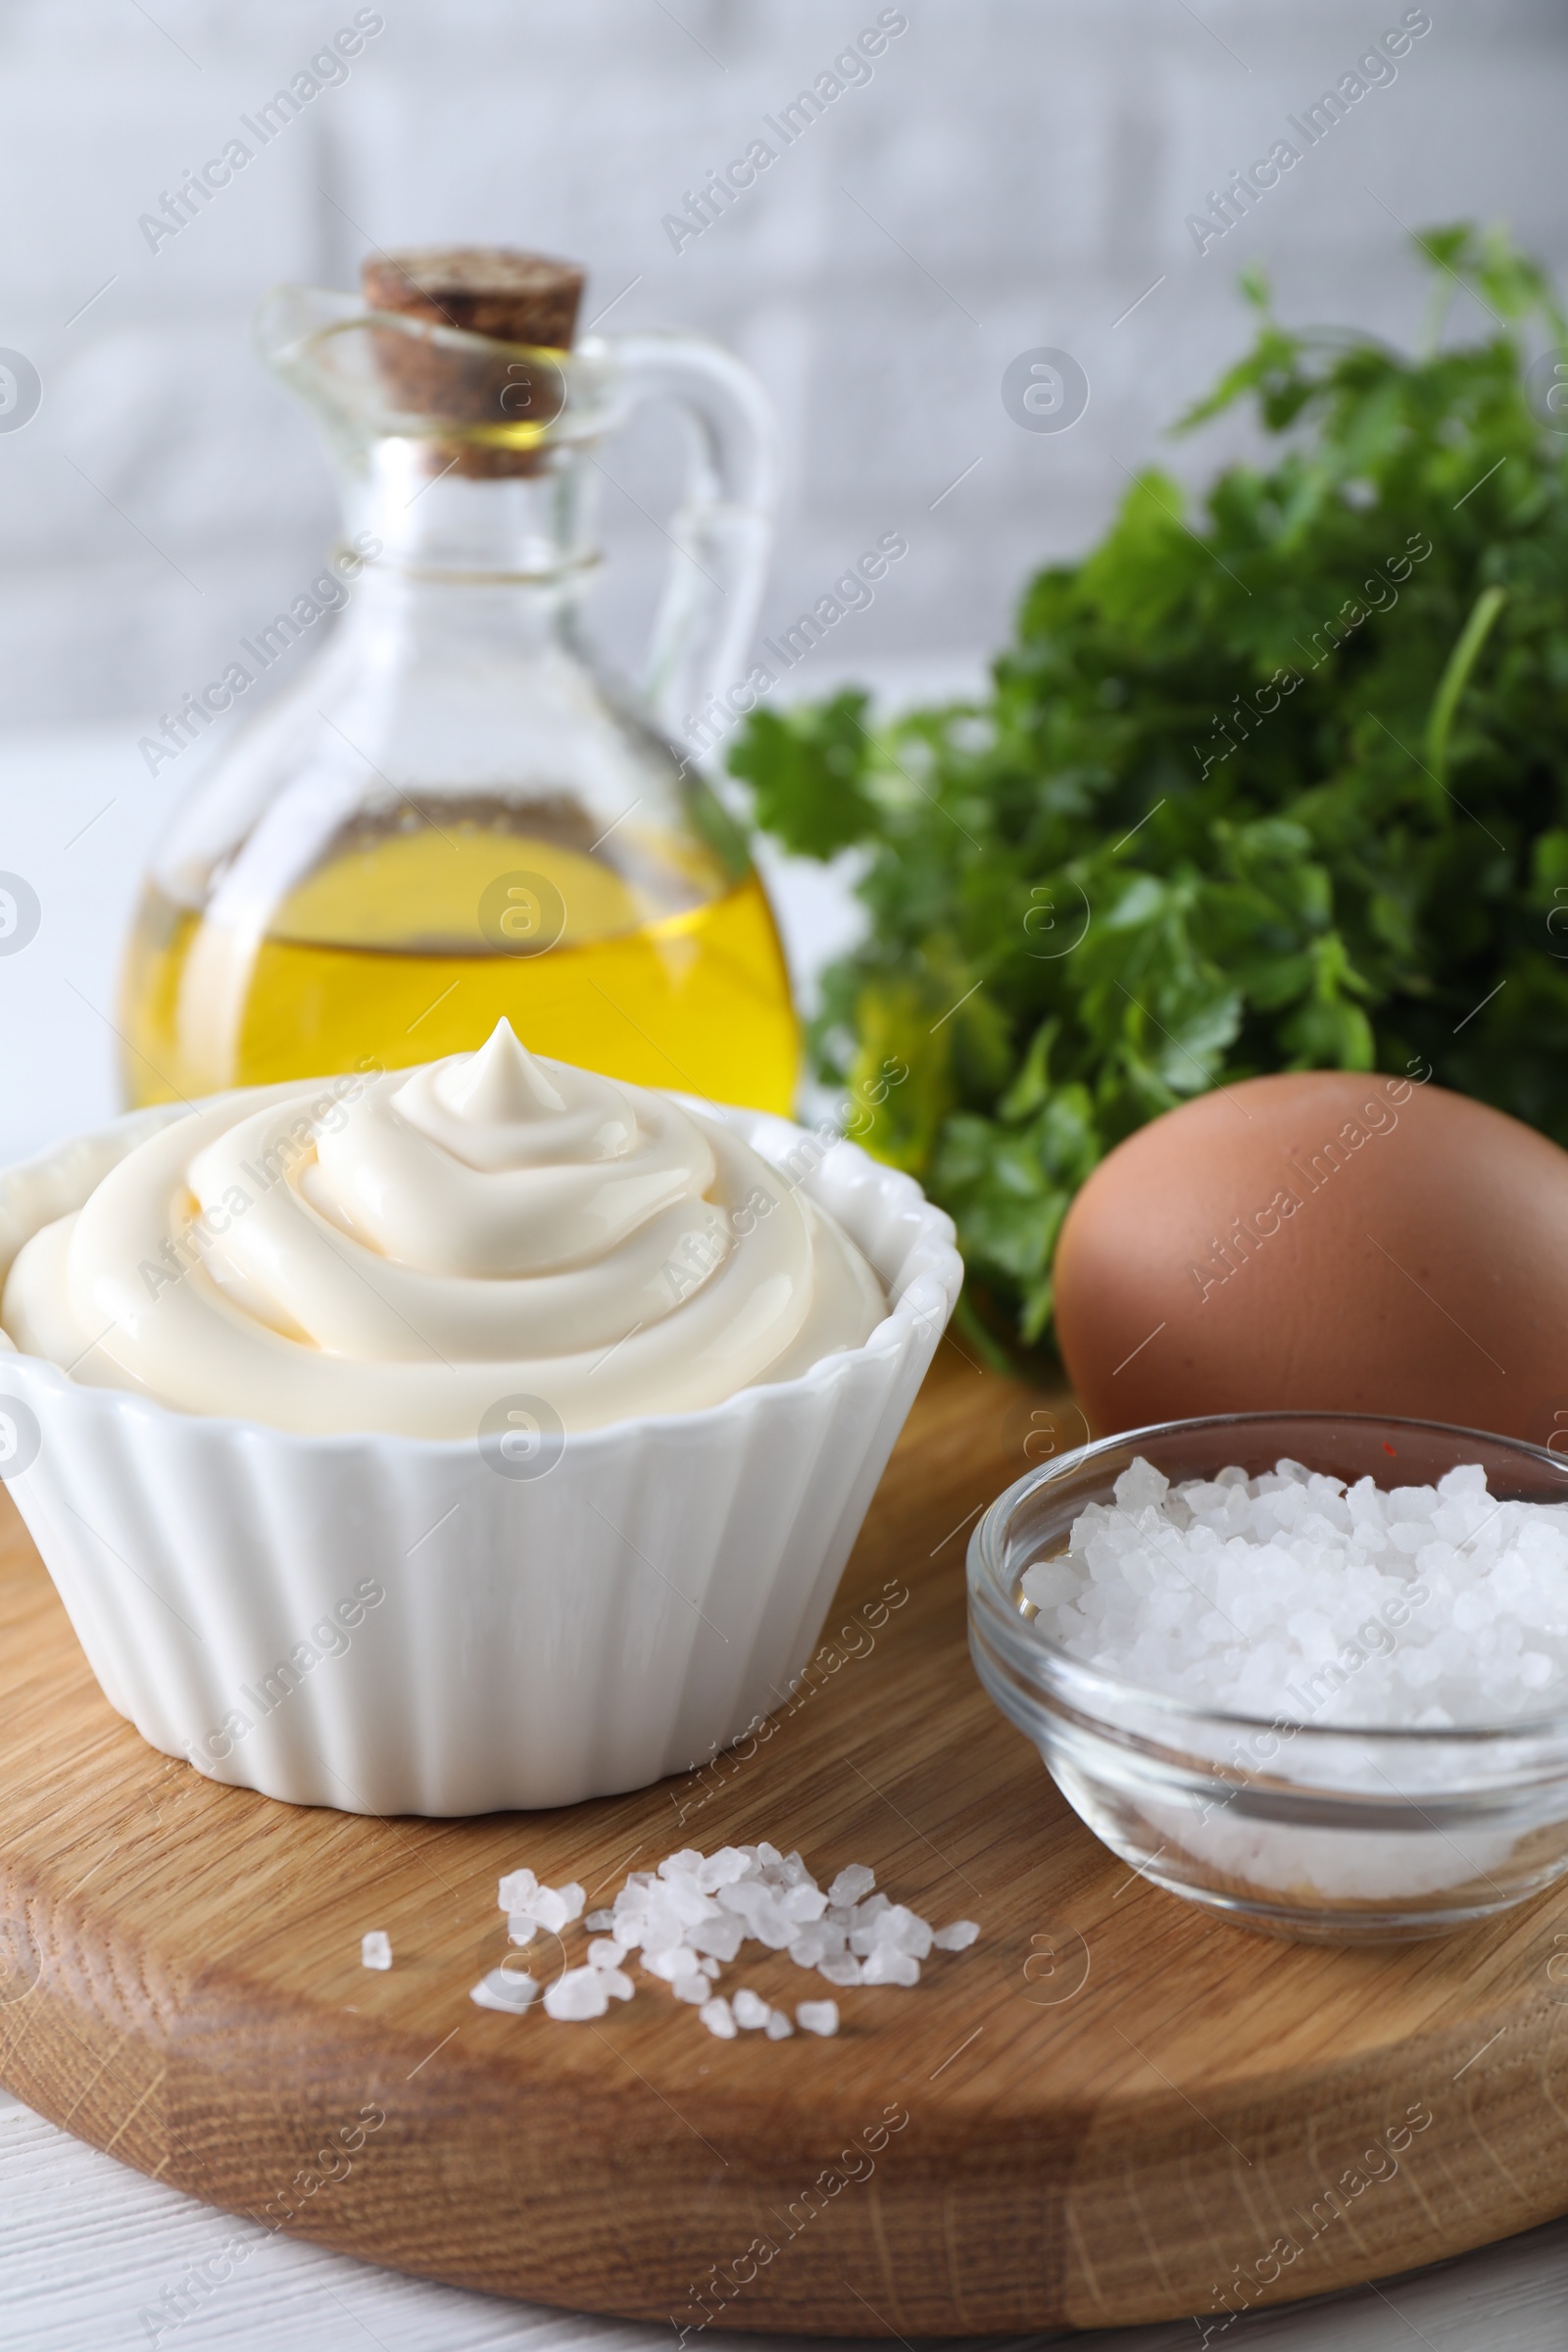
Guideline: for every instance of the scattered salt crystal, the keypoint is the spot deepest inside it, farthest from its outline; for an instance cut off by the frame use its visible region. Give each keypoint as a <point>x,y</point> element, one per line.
<point>887,1965</point>
<point>850,1884</point>
<point>898,1925</point>
<point>691,1917</point>
<point>763,1912</point>
<point>579,1994</point>
<point>682,1899</point>
<point>721,1869</point>
<point>958,1937</point>
<point>893,1925</point>
<point>674,1960</point>
<point>771,1924</point>
<point>376,1949</point>
<point>502,1990</point>
<point>555,1907</point>
<point>722,1939</point>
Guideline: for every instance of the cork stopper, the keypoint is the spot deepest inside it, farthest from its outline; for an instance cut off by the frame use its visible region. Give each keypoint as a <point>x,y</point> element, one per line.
<point>483,289</point>
<point>499,405</point>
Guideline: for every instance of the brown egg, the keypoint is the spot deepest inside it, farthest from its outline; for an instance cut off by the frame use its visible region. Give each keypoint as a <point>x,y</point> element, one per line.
<point>1323,1241</point>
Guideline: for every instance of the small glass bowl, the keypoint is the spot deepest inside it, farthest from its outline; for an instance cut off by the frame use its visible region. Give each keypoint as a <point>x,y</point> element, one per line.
<point>1329,1836</point>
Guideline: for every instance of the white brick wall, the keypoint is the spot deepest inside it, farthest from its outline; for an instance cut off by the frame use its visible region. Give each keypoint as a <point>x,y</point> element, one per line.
<point>1036,157</point>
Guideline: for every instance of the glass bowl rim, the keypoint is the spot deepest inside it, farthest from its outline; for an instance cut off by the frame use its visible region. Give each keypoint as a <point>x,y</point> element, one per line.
<point>1042,1661</point>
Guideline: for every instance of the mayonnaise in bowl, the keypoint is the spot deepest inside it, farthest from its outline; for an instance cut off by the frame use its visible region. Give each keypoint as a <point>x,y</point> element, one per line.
<point>397,1254</point>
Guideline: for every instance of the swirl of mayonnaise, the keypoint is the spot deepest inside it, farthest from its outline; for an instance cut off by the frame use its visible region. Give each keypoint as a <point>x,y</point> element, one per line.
<point>400,1253</point>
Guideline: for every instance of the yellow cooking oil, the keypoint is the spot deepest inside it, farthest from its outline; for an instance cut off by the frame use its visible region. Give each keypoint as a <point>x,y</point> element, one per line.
<point>408,942</point>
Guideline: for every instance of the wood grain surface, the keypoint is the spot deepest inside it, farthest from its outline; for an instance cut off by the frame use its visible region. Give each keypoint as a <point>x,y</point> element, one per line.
<point>1113,2108</point>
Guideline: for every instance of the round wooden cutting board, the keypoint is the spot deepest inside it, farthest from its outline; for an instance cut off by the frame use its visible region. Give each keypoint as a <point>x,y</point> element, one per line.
<point>1113,2108</point>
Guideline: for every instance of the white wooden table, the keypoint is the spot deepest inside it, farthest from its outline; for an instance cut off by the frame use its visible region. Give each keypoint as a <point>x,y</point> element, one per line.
<point>86,2247</point>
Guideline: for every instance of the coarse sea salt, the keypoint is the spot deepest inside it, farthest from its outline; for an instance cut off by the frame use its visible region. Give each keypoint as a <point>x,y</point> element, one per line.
<point>958,1937</point>
<point>1295,1596</point>
<point>502,1989</point>
<point>556,1907</point>
<point>376,1949</point>
<point>578,1995</point>
<point>690,1918</point>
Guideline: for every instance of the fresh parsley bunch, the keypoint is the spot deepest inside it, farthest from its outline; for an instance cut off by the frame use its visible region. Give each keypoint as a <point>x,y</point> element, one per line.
<point>1279,785</point>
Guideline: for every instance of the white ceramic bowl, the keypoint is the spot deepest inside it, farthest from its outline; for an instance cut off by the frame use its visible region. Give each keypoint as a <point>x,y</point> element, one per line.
<point>393,1625</point>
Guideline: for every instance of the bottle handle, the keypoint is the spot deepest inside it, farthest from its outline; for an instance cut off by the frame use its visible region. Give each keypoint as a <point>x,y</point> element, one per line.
<point>721,532</point>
